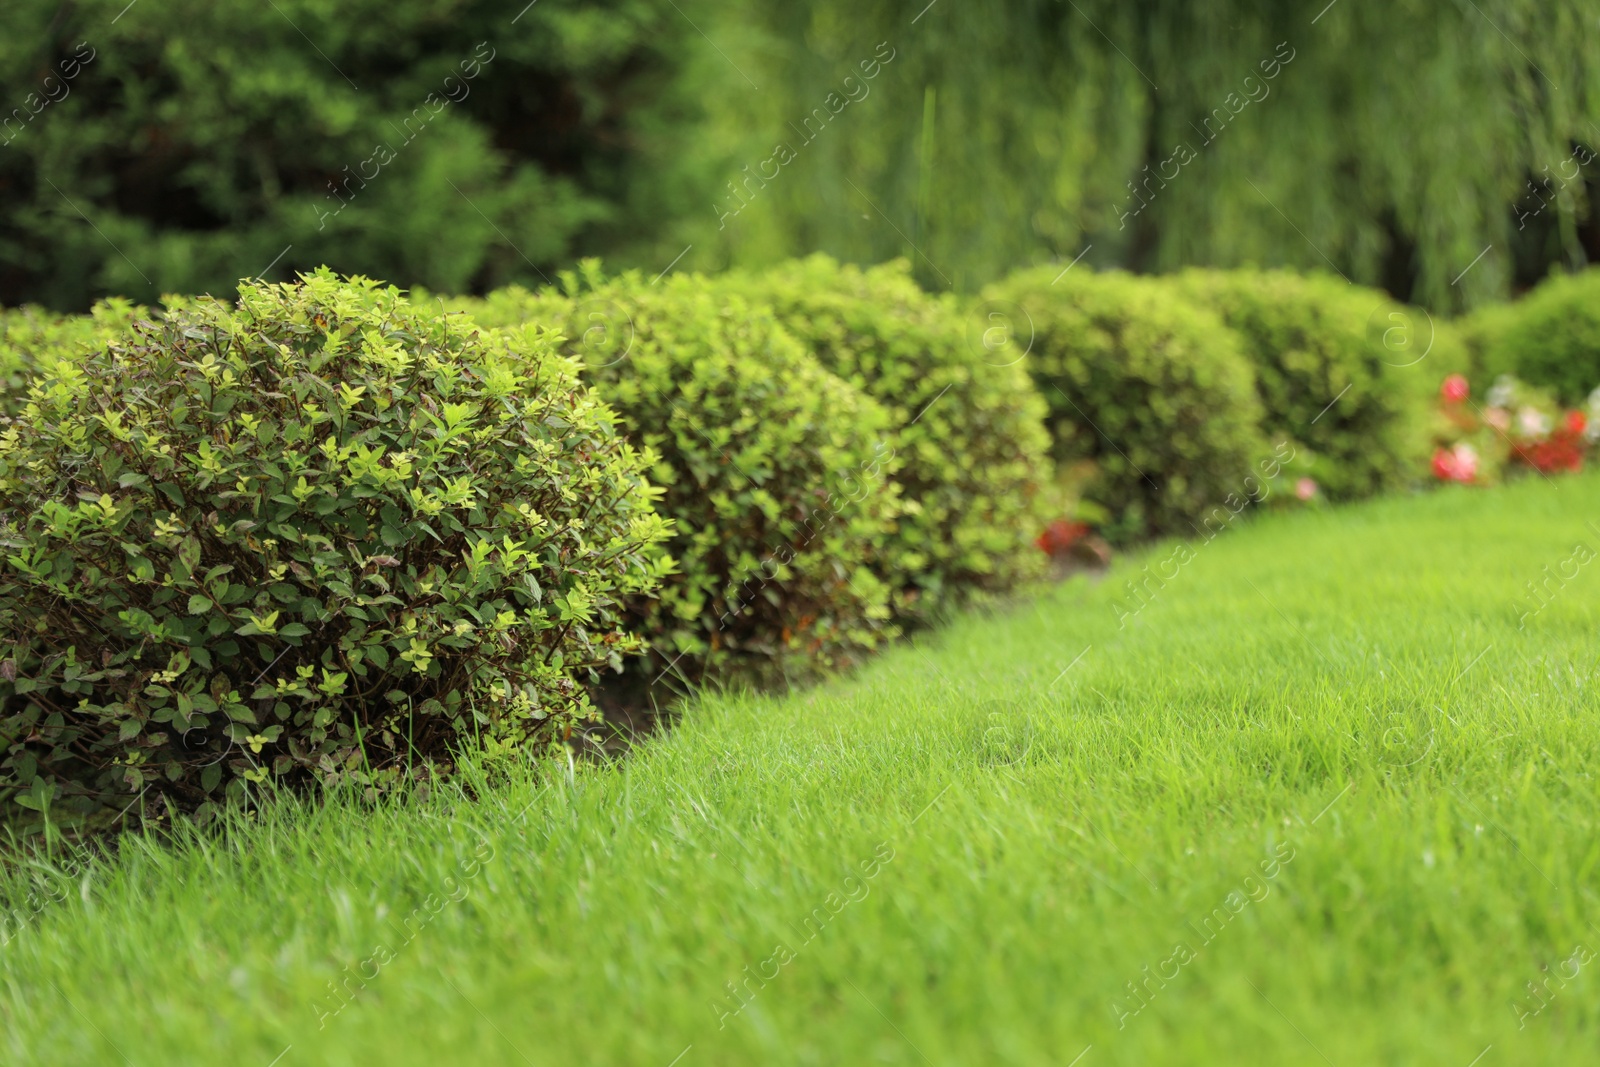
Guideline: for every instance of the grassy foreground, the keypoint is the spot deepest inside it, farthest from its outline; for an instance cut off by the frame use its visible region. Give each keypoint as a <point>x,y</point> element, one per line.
<point>1321,800</point>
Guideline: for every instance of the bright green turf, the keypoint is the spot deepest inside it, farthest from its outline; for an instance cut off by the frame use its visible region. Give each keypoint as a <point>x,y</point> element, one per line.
<point>1364,664</point>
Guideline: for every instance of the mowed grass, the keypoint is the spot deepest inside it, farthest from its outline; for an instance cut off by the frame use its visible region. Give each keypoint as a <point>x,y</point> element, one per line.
<point>1321,801</point>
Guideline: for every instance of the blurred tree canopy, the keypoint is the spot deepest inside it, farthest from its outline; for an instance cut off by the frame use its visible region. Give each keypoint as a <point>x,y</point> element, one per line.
<point>1393,142</point>
<point>193,143</point>
<point>179,145</point>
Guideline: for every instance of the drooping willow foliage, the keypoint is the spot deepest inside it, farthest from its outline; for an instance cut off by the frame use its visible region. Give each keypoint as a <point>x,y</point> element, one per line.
<point>1391,142</point>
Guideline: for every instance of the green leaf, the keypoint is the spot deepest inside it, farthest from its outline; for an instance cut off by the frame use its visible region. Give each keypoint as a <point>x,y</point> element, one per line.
<point>199,604</point>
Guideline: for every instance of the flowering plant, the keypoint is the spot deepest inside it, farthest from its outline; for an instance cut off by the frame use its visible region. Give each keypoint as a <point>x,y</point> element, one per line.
<point>1518,425</point>
<point>1539,434</point>
<point>1466,449</point>
<point>1067,541</point>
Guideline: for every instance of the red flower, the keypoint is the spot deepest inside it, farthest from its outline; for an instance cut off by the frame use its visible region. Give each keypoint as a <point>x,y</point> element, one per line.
<point>1561,452</point>
<point>1454,389</point>
<point>1444,465</point>
<point>1061,535</point>
<point>1576,423</point>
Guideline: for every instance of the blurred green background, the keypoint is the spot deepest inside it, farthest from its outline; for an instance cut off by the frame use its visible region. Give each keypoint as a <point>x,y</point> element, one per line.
<point>177,146</point>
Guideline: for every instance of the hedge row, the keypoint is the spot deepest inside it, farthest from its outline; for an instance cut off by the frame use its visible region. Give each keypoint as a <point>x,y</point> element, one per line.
<point>969,434</point>
<point>1550,338</point>
<point>1180,391</point>
<point>1343,372</point>
<point>326,531</point>
<point>1154,391</point>
<point>777,474</point>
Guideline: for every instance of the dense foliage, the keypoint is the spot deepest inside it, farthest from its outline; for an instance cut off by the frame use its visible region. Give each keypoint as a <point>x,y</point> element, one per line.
<point>319,532</point>
<point>1342,371</point>
<point>461,144</point>
<point>1152,389</point>
<point>1480,336</point>
<point>778,475</point>
<point>176,147</point>
<point>967,428</point>
<point>1551,337</point>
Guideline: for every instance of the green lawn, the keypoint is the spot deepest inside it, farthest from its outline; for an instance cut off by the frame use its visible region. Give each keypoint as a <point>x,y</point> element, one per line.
<point>1322,800</point>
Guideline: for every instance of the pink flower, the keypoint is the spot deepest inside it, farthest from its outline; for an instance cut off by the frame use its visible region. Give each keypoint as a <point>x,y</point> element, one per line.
<point>1305,489</point>
<point>1458,464</point>
<point>1454,389</point>
<point>1499,418</point>
<point>1444,465</point>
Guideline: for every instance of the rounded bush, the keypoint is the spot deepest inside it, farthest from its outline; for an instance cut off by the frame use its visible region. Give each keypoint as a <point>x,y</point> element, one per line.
<point>1480,335</point>
<point>1343,372</point>
<point>1150,389</point>
<point>777,474</point>
<point>320,532</point>
<point>968,429</point>
<point>1551,337</point>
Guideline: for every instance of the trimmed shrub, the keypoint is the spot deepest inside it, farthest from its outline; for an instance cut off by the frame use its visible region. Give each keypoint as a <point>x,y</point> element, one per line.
<point>1551,337</point>
<point>1340,369</point>
<point>321,532</point>
<point>1481,335</point>
<point>1151,389</point>
<point>31,337</point>
<point>969,431</point>
<point>777,474</point>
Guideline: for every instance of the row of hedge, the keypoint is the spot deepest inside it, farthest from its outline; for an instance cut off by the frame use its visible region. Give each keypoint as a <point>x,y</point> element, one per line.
<point>329,531</point>
<point>1550,338</point>
<point>1183,389</point>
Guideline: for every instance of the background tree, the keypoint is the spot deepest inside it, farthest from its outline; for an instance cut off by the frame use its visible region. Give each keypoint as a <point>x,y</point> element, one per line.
<point>453,143</point>
<point>1392,143</point>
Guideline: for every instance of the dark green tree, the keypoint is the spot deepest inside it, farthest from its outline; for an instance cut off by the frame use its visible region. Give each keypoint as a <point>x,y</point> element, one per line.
<point>179,145</point>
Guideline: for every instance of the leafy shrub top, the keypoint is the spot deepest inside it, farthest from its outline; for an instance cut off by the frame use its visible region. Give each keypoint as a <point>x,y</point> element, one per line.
<point>1327,378</point>
<point>1152,389</point>
<point>970,432</point>
<point>1551,337</point>
<point>1481,338</point>
<point>319,530</point>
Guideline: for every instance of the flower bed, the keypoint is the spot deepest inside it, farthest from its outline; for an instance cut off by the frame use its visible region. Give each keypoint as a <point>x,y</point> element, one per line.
<point>1518,427</point>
